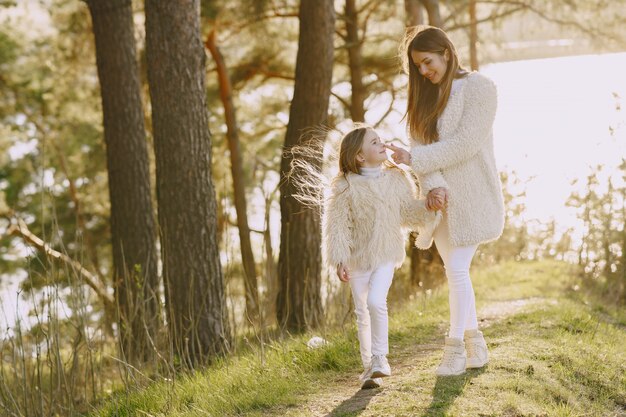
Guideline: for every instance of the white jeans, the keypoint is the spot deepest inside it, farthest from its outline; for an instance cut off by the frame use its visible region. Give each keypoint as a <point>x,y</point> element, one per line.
<point>457,260</point>
<point>369,292</point>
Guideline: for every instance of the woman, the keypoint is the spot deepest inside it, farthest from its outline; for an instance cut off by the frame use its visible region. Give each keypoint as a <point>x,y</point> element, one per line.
<point>450,115</point>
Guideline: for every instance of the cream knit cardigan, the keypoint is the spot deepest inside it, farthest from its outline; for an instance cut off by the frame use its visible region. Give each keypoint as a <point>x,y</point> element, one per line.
<point>364,219</point>
<point>463,162</point>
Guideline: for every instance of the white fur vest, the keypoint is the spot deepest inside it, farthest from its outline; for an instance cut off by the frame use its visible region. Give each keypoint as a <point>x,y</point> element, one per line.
<point>364,219</point>
<point>463,162</point>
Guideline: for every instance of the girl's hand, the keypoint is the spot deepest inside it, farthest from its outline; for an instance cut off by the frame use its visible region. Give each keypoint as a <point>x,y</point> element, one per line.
<point>437,199</point>
<point>343,273</point>
<point>399,156</point>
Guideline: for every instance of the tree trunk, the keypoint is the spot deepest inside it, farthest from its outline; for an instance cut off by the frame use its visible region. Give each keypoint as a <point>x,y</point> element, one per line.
<point>133,229</point>
<point>432,9</point>
<point>414,12</point>
<point>422,269</point>
<point>355,62</point>
<point>187,208</point>
<point>236,165</point>
<point>299,303</point>
<point>425,271</point>
<point>473,35</point>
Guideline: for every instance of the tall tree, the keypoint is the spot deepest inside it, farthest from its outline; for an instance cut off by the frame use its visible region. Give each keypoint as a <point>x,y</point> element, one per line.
<point>186,196</point>
<point>434,15</point>
<point>355,62</point>
<point>133,230</point>
<point>236,166</point>
<point>473,35</point>
<point>414,13</point>
<point>299,263</point>
<point>425,265</point>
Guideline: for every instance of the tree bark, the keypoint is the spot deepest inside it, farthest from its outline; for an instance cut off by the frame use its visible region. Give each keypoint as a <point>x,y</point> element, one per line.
<point>473,36</point>
<point>192,271</point>
<point>423,261</point>
<point>434,15</point>
<point>414,12</point>
<point>133,229</point>
<point>299,264</point>
<point>239,191</point>
<point>355,62</point>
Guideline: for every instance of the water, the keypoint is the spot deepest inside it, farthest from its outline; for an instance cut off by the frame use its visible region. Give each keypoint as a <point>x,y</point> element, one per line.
<point>553,124</point>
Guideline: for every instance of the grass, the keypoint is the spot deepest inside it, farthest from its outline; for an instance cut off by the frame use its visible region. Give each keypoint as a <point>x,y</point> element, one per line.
<point>559,355</point>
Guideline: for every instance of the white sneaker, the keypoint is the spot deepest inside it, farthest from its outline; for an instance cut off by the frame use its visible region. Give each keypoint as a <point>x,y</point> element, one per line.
<point>476,347</point>
<point>380,366</point>
<point>367,382</point>
<point>453,362</point>
<point>370,383</point>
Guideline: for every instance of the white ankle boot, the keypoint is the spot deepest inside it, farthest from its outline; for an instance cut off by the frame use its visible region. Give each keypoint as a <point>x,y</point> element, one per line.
<point>476,347</point>
<point>453,362</point>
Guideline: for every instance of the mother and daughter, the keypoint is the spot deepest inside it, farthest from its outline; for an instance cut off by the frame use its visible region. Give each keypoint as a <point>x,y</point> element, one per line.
<point>450,114</point>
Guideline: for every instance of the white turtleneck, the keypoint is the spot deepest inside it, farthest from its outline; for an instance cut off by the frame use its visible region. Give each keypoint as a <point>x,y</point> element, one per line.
<point>371,172</point>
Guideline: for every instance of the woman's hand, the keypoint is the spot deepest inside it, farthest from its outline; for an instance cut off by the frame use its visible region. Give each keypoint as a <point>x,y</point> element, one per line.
<point>437,199</point>
<point>343,273</point>
<point>399,156</point>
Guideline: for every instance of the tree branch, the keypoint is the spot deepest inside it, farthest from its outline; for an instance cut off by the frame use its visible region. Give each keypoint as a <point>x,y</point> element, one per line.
<point>341,100</point>
<point>389,109</point>
<point>589,31</point>
<point>487,19</point>
<point>20,229</point>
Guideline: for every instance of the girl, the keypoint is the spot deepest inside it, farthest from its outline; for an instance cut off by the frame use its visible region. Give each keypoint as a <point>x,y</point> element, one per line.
<point>450,116</point>
<point>364,239</point>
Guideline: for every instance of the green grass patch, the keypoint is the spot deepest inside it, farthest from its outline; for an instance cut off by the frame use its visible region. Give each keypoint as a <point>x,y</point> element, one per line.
<point>561,355</point>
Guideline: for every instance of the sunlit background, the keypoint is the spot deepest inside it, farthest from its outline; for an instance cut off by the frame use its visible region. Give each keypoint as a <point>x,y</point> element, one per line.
<point>561,86</point>
<point>557,119</point>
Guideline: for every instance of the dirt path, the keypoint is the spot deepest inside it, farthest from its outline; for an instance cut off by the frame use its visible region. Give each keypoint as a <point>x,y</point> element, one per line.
<point>342,396</point>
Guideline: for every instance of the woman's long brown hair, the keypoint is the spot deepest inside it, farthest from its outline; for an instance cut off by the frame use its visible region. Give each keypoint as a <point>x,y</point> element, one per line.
<point>426,101</point>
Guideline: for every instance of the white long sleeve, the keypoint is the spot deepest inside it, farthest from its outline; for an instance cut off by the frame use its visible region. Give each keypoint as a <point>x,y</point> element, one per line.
<point>430,181</point>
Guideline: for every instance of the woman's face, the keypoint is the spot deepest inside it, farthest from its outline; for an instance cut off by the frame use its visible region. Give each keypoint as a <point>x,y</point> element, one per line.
<point>431,65</point>
<point>373,151</point>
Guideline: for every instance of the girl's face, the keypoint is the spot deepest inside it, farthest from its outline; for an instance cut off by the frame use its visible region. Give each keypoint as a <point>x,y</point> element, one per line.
<point>431,64</point>
<point>372,152</point>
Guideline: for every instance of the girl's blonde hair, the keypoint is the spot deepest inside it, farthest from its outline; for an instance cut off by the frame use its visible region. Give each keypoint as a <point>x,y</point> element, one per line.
<point>307,161</point>
<point>426,101</point>
<point>351,145</point>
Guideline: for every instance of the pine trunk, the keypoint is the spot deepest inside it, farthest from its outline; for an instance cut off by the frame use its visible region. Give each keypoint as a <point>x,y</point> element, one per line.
<point>473,35</point>
<point>355,62</point>
<point>434,15</point>
<point>414,13</point>
<point>133,229</point>
<point>187,206</point>
<point>299,265</point>
<point>239,191</point>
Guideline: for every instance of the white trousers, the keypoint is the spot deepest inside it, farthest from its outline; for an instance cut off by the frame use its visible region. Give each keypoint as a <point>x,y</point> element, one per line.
<point>369,292</point>
<point>457,261</point>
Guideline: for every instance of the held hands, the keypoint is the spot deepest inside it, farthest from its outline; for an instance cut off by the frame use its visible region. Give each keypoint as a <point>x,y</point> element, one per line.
<point>437,199</point>
<point>343,273</point>
<point>399,156</point>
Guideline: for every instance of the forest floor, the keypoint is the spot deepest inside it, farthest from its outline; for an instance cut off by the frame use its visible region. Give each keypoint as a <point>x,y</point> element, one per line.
<point>555,351</point>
